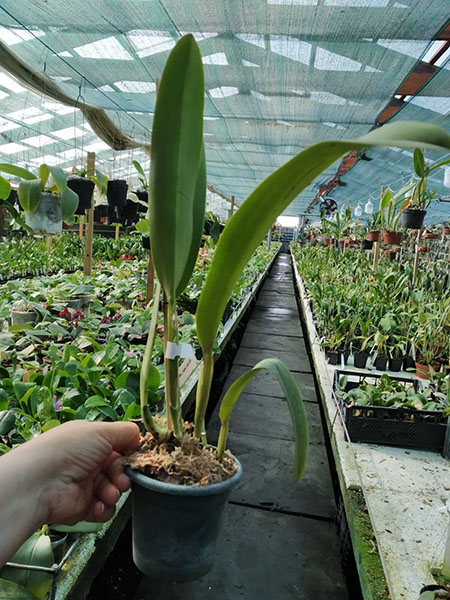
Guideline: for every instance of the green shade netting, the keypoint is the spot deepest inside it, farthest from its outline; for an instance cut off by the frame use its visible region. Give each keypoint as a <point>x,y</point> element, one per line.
<point>280,75</point>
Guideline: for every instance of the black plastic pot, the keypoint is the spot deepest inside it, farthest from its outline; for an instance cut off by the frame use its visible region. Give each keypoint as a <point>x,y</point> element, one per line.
<point>381,363</point>
<point>395,364</point>
<point>83,187</point>
<point>176,527</point>
<point>100,212</point>
<point>129,211</point>
<point>143,196</point>
<point>146,242</point>
<point>409,363</point>
<point>366,244</point>
<point>361,359</point>
<point>59,544</point>
<point>332,357</point>
<point>413,219</point>
<point>117,192</point>
<point>13,197</point>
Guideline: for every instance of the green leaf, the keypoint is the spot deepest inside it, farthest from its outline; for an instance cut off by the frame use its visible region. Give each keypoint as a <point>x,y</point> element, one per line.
<point>138,168</point>
<point>58,176</point>
<point>29,193</point>
<point>45,409</point>
<point>248,226</point>
<point>12,591</point>
<point>3,399</point>
<point>69,203</point>
<point>143,227</point>
<point>16,171</point>
<point>7,421</point>
<point>44,174</point>
<point>174,170</point>
<point>294,400</point>
<point>37,550</point>
<point>419,162</point>
<point>5,188</point>
<point>95,402</point>
<point>50,425</point>
<point>81,527</point>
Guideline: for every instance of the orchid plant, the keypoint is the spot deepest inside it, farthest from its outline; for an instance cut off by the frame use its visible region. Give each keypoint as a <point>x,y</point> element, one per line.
<point>177,206</point>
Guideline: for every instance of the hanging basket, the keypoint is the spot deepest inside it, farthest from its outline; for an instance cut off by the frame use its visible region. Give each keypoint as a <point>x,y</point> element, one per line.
<point>47,218</point>
<point>413,219</point>
<point>83,187</point>
<point>117,192</point>
<point>143,197</point>
<point>374,235</point>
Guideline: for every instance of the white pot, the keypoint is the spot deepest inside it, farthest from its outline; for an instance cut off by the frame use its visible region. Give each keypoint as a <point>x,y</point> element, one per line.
<point>48,216</point>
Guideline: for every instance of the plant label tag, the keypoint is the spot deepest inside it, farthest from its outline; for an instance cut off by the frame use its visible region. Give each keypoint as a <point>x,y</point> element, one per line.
<point>181,350</point>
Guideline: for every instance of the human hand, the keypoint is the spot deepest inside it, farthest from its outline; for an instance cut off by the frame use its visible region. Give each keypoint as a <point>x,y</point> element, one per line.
<point>76,469</point>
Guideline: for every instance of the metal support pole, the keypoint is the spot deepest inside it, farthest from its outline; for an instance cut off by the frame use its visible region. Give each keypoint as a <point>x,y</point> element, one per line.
<point>87,270</point>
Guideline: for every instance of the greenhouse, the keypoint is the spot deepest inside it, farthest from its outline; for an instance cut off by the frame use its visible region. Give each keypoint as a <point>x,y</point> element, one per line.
<point>225,300</point>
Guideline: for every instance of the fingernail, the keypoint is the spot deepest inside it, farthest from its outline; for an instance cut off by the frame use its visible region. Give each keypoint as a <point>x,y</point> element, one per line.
<point>101,507</point>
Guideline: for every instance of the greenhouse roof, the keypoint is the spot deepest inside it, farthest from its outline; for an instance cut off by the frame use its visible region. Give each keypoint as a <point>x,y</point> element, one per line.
<point>280,75</point>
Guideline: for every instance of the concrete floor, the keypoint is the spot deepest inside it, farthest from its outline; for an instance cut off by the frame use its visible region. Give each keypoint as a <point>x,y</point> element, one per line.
<point>279,541</point>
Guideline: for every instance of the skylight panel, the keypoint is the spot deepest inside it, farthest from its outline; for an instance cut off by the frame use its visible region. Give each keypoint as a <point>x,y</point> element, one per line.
<point>106,88</point>
<point>59,78</point>
<point>200,35</point>
<point>148,42</point>
<point>107,49</point>
<point>252,38</point>
<point>65,54</point>
<point>328,98</point>
<point>135,87</point>
<point>293,2</point>
<point>211,118</point>
<point>97,147</point>
<point>7,125</point>
<point>358,3</point>
<point>48,159</point>
<point>330,61</point>
<point>68,133</point>
<point>30,111</point>
<point>223,91</point>
<point>260,96</point>
<point>38,140</point>
<point>291,47</point>
<point>439,104</point>
<point>71,154</point>
<point>59,108</point>
<point>247,63</point>
<point>38,118</point>
<point>16,36</point>
<point>10,84</point>
<point>411,48</point>
<point>12,148</point>
<point>442,59</point>
<point>3,95</point>
<point>219,58</point>
<point>432,50</point>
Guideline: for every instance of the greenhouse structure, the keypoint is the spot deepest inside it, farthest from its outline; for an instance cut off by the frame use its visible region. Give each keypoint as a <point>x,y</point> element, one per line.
<point>225,300</point>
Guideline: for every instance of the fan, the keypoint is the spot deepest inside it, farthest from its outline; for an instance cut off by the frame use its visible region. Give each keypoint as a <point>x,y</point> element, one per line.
<point>327,207</point>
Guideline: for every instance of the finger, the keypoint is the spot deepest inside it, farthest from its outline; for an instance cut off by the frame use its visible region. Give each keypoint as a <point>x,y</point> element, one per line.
<point>99,512</point>
<point>114,472</point>
<point>105,490</point>
<point>122,435</point>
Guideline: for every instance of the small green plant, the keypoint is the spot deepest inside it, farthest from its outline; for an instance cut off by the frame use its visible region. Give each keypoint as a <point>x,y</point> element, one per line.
<point>418,197</point>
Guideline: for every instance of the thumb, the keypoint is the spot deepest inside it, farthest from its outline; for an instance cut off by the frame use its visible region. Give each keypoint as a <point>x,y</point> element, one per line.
<point>122,435</point>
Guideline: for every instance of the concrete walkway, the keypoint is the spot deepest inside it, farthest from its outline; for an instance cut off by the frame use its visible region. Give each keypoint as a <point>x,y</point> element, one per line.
<point>279,541</point>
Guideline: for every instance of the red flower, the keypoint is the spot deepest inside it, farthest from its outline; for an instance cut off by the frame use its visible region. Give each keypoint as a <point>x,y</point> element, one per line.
<point>105,319</point>
<point>65,314</point>
<point>78,314</point>
<point>159,329</point>
<point>117,316</point>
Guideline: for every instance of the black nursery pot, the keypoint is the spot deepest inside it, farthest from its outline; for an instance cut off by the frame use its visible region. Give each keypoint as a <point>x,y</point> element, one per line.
<point>366,245</point>
<point>361,359</point>
<point>413,219</point>
<point>143,196</point>
<point>176,527</point>
<point>146,242</point>
<point>100,212</point>
<point>332,357</point>
<point>117,192</point>
<point>409,363</point>
<point>129,211</point>
<point>83,187</point>
<point>381,363</point>
<point>395,364</point>
<point>13,197</point>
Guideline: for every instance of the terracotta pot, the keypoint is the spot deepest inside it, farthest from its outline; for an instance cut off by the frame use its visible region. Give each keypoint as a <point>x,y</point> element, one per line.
<point>422,371</point>
<point>422,249</point>
<point>341,243</point>
<point>391,254</point>
<point>393,238</point>
<point>428,235</point>
<point>414,231</point>
<point>447,230</point>
<point>374,235</point>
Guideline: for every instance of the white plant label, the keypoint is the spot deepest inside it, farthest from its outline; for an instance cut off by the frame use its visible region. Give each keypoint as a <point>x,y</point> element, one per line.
<point>181,350</point>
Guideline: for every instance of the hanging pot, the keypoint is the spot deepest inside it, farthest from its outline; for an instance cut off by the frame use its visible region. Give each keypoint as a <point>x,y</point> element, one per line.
<point>366,244</point>
<point>84,188</point>
<point>13,197</point>
<point>392,237</point>
<point>146,242</point>
<point>143,196</point>
<point>117,192</point>
<point>129,211</point>
<point>374,235</point>
<point>48,216</point>
<point>100,212</point>
<point>176,527</point>
<point>413,219</point>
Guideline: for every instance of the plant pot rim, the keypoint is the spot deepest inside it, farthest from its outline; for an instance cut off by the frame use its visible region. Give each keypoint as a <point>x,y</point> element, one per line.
<point>174,489</point>
<point>22,312</point>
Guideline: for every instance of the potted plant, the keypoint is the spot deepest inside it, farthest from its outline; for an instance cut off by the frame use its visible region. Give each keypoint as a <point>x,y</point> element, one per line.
<point>374,227</point>
<point>390,211</point>
<point>175,523</point>
<point>46,204</point>
<point>430,235</point>
<point>117,192</point>
<point>83,185</point>
<point>22,313</point>
<point>418,198</point>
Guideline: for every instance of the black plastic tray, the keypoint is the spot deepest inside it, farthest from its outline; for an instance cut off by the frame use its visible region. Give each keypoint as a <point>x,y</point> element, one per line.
<point>403,427</point>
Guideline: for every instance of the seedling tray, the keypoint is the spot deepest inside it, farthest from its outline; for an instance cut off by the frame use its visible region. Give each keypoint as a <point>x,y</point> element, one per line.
<point>402,427</point>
